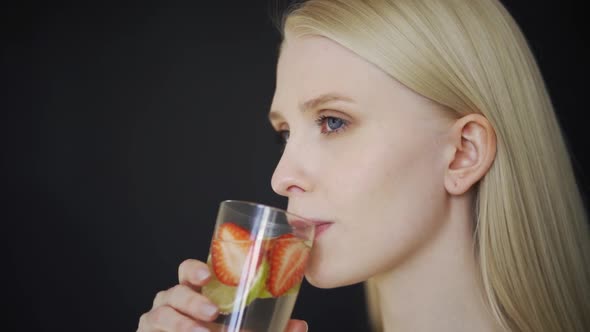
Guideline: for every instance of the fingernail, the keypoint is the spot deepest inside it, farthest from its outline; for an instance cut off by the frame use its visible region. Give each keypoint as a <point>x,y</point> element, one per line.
<point>306,327</point>
<point>200,329</point>
<point>202,274</point>
<point>208,310</point>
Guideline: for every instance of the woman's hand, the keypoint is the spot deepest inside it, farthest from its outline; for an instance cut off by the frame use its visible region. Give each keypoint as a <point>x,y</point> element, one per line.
<point>183,308</point>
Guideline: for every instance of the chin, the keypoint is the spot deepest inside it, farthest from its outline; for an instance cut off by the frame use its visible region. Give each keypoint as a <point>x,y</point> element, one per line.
<point>326,278</point>
<point>324,283</point>
<point>320,273</point>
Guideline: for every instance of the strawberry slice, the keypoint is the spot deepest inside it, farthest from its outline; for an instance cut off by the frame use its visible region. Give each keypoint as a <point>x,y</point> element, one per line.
<point>288,258</point>
<point>229,252</point>
<point>230,231</point>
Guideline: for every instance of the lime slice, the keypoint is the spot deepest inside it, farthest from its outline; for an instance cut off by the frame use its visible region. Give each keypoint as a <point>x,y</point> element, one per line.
<point>220,294</point>
<point>259,283</point>
<point>265,294</point>
<point>225,296</point>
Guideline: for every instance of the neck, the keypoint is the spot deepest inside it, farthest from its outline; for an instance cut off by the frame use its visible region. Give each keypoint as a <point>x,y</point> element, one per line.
<point>438,288</point>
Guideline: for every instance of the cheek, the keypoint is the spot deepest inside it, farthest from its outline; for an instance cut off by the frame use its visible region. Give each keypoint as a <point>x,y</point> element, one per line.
<point>403,173</point>
<point>386,206</point>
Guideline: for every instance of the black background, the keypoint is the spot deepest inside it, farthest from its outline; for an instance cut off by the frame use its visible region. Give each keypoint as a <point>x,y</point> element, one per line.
<point>123,127</point>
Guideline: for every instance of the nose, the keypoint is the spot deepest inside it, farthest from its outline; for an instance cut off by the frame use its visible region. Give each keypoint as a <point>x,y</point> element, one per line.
<point>290,176</point>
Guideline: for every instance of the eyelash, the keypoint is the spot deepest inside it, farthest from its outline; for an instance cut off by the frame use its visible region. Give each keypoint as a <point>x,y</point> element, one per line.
<point>323,118</point>
<point>320,121</point>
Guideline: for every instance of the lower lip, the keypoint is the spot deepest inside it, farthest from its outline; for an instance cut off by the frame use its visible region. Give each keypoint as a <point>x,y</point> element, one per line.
<point>321,228</point>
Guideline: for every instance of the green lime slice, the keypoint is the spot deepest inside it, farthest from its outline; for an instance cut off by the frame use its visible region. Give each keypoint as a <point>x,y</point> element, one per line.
<point>225,296</point>
<point>259,283</point>
<point>265,294</point>
<point>220,294</point>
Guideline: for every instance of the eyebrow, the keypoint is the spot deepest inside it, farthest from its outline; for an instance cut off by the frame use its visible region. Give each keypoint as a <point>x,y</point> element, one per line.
<point>314,103</point>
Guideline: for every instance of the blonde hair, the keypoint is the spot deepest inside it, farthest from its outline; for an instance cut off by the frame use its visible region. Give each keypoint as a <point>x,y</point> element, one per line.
<point>531,233</point>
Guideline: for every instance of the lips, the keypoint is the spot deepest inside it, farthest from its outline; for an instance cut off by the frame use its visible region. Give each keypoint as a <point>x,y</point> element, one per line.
<point>303,227</point>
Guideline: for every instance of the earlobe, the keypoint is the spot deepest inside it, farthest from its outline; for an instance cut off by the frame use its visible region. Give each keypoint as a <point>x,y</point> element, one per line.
<point>473,147</point>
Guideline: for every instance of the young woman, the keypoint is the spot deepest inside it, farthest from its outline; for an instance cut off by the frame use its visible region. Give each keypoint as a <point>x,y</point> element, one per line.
<point>419,133</point>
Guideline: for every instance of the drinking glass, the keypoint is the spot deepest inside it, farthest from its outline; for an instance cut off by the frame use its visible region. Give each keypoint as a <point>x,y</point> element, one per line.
<point>258,256</point>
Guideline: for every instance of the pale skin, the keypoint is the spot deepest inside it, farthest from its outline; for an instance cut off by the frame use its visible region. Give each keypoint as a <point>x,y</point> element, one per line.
<point>392,171</point>
<point>182,308</point>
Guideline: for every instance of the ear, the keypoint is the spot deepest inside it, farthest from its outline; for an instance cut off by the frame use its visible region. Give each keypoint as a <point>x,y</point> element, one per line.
<point>472,153</point>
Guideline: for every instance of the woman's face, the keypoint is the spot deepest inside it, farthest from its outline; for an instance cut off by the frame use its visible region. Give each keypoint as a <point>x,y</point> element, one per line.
<point>363,153</point>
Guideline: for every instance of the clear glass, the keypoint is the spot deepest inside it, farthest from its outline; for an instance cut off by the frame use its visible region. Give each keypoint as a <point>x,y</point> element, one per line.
<point>258,255</point>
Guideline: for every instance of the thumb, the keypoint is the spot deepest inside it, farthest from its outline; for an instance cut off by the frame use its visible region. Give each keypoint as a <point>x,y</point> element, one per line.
<point>296,325</point>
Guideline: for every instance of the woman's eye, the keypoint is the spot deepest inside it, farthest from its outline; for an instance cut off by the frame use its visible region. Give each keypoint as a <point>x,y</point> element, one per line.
<point>330,124</point>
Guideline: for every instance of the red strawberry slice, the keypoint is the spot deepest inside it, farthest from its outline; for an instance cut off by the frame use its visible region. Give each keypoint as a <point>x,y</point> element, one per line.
<point>229,253</point>
<point>232,232</point>
<point>288,258</point>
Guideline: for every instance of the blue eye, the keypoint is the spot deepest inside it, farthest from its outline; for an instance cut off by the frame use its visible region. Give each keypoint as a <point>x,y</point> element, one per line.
<point>330,124</point>
<point>334,123</point>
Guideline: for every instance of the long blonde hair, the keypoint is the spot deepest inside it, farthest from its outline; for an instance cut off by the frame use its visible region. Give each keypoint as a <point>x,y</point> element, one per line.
<point>531,238</point>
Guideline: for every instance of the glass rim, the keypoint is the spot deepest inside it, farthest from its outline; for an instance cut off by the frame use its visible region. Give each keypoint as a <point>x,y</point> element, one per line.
<point>265,206</point>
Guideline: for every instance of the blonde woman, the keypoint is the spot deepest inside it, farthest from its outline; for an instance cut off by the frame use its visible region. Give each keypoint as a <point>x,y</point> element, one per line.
<point>420,135</point>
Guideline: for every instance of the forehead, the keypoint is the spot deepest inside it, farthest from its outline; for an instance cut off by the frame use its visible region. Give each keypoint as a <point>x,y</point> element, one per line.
<point>310,65</point>
<point>316,51</point>
<point>313,66</point>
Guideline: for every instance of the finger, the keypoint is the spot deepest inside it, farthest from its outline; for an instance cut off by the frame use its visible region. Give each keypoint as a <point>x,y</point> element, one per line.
<point>188,302</point>
<point>296,325</point>
<point>192,272</point>
<point>165,318</point>
<point>158,299</point>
